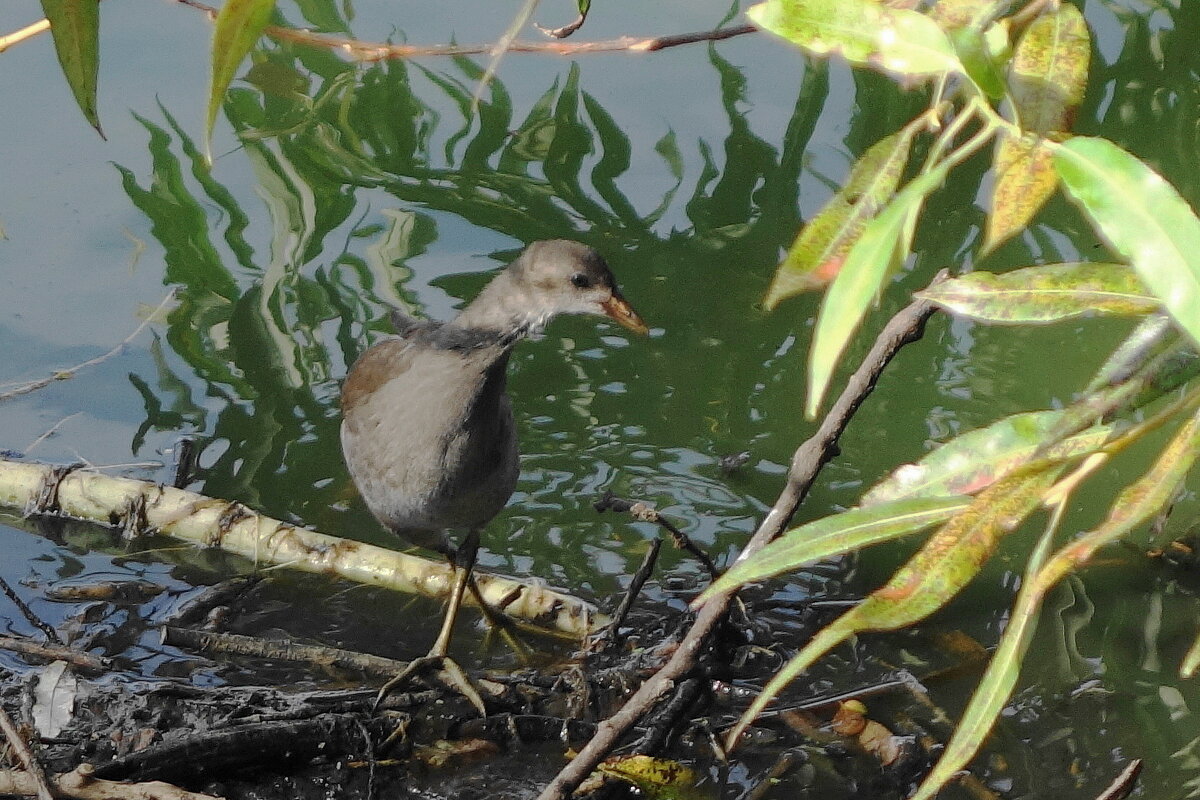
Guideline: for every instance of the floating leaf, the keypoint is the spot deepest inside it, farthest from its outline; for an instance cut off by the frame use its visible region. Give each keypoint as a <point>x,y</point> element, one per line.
<point>863,32</point>
<point>1046,293</point>
<point>979,458</point>
<point>935,574</point>
<point>837,534</point>
<point>239,25</point>
<point>1047,78</point>
<point>54,699</point>
<point>820,249</point>
<point>1142,217</point>
<point>860,281</point>
<point>657,778</point>
<point>75,28</point>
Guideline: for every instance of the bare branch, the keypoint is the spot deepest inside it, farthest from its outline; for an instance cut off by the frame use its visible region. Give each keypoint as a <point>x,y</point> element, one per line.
<point>906,326</point>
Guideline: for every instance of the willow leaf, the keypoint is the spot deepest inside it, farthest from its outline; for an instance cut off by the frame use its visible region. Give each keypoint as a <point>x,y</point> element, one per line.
<point>1048,76</point>
<point>860,281</point>
<point>75,28</point>
<point>1049,70</point>
<point>935,574</point>
<point>996,685</point>
<point>977,459</point>
<point>864,32</point>
<point>820,250</point>
<point>1142,217</point>
<point>239,25</point>
<point>1046,293</point>
<point>835,535</point>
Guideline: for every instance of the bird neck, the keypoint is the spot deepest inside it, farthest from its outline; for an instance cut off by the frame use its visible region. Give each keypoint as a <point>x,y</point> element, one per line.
<point>504,308</point>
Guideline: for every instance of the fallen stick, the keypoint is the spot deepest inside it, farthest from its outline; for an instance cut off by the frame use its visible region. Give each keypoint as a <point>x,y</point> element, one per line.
<point>81,785</point>
<point>215,642</point>
<point>144,507</point>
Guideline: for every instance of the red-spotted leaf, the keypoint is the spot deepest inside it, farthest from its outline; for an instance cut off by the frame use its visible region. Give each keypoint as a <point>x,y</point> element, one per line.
<point>1047,79</point>
<point>954,14</point>
<point>863,32</point>
<point>820,249</point>
<point>996,685</point>
<point>1025,179</point>
<point>75,27</point>
<point>1049,70</point>
<point>979,458</point>
<point>835,535</point>
<point>951,557</point>
<point>860,281</point>
<point>1047,293</point>
<point>239,25</point>
<point>1142,217</point>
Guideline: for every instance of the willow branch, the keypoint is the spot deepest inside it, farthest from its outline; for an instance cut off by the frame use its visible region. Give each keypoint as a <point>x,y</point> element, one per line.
<point>356,50</point>
<point>906,326</point>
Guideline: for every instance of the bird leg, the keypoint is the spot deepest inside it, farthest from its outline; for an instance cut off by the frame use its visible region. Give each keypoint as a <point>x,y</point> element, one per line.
<point>451,673</point>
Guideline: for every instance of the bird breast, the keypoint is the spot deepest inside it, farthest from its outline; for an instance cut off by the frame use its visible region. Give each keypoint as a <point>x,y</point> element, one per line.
<point>429,437</point>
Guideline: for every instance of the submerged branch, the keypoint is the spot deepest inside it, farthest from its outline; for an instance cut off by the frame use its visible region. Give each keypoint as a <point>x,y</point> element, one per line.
<point>142,507</point>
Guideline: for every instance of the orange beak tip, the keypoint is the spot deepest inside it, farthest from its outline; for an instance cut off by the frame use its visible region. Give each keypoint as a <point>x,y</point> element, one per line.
<point>618,309</point>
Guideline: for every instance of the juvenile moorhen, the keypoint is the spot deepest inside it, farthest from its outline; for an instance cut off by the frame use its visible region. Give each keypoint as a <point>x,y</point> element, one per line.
<point>427,429</point>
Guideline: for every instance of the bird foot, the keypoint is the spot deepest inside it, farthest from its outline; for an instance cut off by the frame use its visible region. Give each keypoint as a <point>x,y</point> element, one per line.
<point>448,674</point>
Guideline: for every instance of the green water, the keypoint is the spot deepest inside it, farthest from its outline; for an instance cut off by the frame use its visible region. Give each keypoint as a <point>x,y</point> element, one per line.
<point>348,188</point>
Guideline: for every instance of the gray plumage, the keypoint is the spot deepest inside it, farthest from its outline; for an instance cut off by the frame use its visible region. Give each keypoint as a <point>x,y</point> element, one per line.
<point>428,431</point>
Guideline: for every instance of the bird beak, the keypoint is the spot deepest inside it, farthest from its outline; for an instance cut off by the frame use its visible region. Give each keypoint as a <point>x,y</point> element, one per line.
<point>618,308</point>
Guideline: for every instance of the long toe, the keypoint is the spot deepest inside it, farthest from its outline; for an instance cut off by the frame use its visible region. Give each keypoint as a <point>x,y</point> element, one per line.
<point>444,670</point>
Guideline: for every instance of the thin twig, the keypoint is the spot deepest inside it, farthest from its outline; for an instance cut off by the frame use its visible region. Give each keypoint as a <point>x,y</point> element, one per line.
<point>54,652</point>
<point>46,435</point>
<point>319,655</point>
<point>25,756</point>
<point>28,32</point>
<point>64,374</point>
<point>644,512</point>
<point>379,51</point>
<point>635,588</point>
<point>906,326</point>
<point>27,612</point>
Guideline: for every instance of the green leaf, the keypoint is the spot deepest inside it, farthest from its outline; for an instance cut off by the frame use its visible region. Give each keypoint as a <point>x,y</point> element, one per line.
<point>996,685</point>
<point>1135,505</point>
<point>820,250</point>
<point>239,25</point>
<point>935,574</point>
<point>75,28</point>
<point>835,535</point>
<point>977,459</point>
<point>863,32</point>
<point>976,58</point>
<point>1047,293</point>
<point>1142,217</point>
<point>860,281</point>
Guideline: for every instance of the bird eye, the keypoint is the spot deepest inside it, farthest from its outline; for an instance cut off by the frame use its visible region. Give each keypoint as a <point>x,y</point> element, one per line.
<point>580,281</point>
